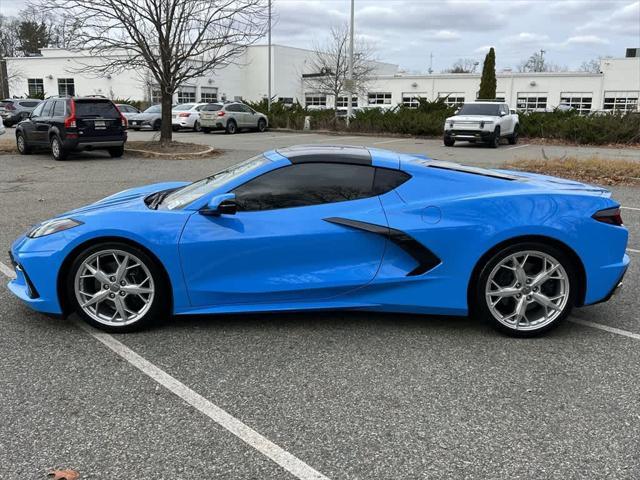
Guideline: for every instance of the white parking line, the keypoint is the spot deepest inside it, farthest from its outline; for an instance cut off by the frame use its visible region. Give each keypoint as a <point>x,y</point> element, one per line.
<point>338,139</point>
<point>606,328</point>
<point>517,146</point>
<point>297,135</point>
<point>631,208</point>
<point>632,250</point>
<point>286,460</point>
<point>7,271</point>
<point>395,140</point>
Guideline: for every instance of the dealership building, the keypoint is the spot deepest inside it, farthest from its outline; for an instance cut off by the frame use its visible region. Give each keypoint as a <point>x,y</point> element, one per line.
<point>60,72</point>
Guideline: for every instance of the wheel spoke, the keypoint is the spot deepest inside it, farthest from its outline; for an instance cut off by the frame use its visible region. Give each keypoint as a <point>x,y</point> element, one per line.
<point>504,292</point>
<point>97,297</point>
<point>545,275</point>
<point>545,301</point>
<point>98,274</point>
<point>122,268</point>
<point>120,309</point>
<point>136,290</point>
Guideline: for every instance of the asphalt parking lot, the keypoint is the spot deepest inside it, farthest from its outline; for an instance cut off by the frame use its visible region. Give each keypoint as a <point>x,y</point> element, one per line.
<point>323,395</point>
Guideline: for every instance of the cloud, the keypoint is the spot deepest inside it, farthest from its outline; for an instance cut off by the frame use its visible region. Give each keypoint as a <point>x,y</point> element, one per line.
<point>587,40</point>
<point>443,36</point>
<point>624,20</point>
<point>526,38</point>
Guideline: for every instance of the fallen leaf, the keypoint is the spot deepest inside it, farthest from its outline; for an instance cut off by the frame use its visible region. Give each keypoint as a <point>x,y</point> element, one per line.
<point>64,475</point>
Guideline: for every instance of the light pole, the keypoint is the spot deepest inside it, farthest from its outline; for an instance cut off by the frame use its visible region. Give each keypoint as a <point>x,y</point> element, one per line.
<point>349,81</point>
<point>269,63</point>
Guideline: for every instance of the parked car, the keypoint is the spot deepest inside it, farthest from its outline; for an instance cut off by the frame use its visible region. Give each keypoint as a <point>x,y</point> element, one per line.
<point>331,227</point>
<point>14,110</point>
<point>66,124</point>
<point>150,118</point>
<point>231,117</point>
<point>485,122</point>
<point>127,111</point>
<point>186,115</point>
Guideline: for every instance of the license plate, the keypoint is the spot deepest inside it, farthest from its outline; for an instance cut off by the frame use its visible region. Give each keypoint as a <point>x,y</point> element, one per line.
<point>99,124</point>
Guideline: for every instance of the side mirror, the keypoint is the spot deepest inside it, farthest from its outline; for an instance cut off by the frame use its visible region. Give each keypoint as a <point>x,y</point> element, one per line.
<point>224,204</point>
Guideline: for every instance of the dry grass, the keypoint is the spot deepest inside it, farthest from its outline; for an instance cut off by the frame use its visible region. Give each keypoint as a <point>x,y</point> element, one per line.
<point>8,143</point>
<point>591,170</point>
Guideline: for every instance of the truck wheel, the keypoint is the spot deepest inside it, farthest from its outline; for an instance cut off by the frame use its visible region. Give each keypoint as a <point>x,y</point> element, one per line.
<point>448,141</point>
<point>494,141</point>
<point>513,138</point>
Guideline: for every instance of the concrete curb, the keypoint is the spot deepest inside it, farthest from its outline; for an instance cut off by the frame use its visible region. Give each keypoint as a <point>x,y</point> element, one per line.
<point>161,154</point>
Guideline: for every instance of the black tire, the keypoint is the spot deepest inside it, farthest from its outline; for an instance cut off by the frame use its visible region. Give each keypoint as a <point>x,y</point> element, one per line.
<point>232,127</point>
<point>175,128</point>
<point>136,129</point>
<point>160,304</point>
<point>494,141</point>
<point>448,141</point>
<point>513,138</point>
<point>197,127</point>
<point>206,130</point>
<point>262,125</point>
<point>57,150</point>
<point>156,125</point>
<point>479,303</point>
<point>116,152</point>
<point>21,144</point>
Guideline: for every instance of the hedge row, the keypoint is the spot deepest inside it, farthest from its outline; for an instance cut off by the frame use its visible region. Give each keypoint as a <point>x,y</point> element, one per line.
<point>428,120</point>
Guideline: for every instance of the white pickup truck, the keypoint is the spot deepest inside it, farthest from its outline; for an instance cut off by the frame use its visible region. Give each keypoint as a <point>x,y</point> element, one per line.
<point>485,122</point>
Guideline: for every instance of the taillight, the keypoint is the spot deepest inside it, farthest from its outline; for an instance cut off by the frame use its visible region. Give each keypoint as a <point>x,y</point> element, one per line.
<point>123,119</point>
<point>184,115</point>
<point>70,119</point>
<point>221,113</point>
<point>612,216</point>
<point>9,106</point>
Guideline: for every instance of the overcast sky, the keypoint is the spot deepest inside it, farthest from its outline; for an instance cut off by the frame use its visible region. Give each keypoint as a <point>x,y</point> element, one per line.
<point>406,32</point>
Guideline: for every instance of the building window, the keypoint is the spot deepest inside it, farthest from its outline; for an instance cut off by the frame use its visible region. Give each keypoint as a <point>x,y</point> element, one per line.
<point>453,99</point>
<point>580,101</point>
<point>343,101</point>
<point>35,86</point>
<point>315,100</point>
<point>532,102</point>
<point>187,94</point>
<point>410,100</point>
<point>621,101</point>
<point>155,95</point>
<point>208,94</point>
<point>380,98</point>
<point>500,96</point>
<point>66,86</point>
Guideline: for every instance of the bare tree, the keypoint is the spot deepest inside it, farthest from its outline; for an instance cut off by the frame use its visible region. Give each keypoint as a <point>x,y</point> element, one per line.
<point>592,66</point>
<point>330,64</point>
<point>463,65</point>
<point>537,63</point>
<point>9,39</point>
<point>174,40</point>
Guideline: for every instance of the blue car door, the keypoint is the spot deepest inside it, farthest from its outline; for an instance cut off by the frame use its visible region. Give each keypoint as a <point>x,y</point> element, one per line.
<point>290,239</point>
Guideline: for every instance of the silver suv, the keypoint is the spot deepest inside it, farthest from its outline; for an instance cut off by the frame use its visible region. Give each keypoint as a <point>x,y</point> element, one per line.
<point>14,110</point>
<point>231,117</point>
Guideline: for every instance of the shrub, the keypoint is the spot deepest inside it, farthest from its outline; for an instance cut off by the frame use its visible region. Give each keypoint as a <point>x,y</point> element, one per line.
<point>139,104</point>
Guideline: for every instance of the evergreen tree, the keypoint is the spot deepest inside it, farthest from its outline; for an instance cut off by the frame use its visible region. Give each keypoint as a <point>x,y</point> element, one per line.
<point>488,80</point>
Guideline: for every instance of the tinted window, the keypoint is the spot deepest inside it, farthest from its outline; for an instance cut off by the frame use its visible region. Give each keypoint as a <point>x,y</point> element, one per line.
<point>58,109</point>
<point>306,184</point>
<point>233,108</point>
<point>212,107</point>
<point>29,104</point>
<point>386,180</point>
<point>96,109</point>
<point>48,108</point>
<point>246,109</point>
<point>38,110</point>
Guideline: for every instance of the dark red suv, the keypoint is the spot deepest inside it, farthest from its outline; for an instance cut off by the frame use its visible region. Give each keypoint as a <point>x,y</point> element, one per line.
<point>68,124</point>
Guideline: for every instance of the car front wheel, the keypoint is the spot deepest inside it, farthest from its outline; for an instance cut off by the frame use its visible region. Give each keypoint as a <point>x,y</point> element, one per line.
<point>117,287</point>
<point>21,144</point>
<point>526,289</point>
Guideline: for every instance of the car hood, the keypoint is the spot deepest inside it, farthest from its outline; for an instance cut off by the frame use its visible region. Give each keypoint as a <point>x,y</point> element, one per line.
<point>471,118</point>
<point>127,199</point>
<point>145,116</point>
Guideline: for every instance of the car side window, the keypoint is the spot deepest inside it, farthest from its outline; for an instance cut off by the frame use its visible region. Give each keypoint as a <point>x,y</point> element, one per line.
<point>233,108</point>
<point>37,112</point>
<point>245,109</point>
<point>306,184</point>
<point>58,109</point>
<point>387,179</point>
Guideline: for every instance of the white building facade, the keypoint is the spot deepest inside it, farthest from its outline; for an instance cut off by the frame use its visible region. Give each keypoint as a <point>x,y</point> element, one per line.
<point>57,72</point>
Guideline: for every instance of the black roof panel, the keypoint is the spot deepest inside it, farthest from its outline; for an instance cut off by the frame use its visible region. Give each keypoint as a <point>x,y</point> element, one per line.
<point>326,154</point>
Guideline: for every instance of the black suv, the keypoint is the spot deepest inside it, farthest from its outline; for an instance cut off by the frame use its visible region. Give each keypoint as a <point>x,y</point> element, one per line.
<point>69,124</point>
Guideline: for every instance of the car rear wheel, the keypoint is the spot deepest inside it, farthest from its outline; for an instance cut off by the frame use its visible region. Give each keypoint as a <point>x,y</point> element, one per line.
<point>494,141</point>
<point>206,130</point>
<point>196,126</point>
<point>448,141</point>
<point>156,125</point>
<point>262,125</point>
<point>21,144</point>
<point>57,150</point>
<point>526,289</point>
<point>513,138</point>
<point>231,127</point>
<point>117,287</point>
<point>116,152</point>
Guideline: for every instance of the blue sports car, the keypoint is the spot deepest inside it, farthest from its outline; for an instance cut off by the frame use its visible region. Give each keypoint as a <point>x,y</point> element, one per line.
<point>331,227</point>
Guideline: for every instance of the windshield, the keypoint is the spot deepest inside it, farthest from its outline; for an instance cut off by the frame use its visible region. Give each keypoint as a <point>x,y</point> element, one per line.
<point>185,106</point>
<point>153,109</point>
<point>184,196</point>
<point>480,109</point>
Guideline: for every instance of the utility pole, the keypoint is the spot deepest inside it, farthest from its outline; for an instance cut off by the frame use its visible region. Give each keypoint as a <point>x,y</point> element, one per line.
<point>269,62</point>
<point>430,63</point>
<point>349,81</point>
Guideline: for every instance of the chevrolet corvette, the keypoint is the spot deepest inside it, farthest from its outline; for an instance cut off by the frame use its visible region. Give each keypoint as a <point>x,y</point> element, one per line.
<point>331,227</point>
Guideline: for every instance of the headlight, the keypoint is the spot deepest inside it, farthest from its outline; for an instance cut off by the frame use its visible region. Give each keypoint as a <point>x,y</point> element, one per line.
<point>52,226</point>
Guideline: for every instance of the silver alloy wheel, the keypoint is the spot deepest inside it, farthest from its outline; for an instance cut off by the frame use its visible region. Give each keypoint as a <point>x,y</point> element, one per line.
<point>55,147</point>
<point>114,287</point>
<point>527,290</point>
<point>20,143</point>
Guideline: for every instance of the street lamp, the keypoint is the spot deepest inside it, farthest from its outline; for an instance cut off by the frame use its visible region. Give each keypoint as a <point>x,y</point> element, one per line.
<point>349,82</point>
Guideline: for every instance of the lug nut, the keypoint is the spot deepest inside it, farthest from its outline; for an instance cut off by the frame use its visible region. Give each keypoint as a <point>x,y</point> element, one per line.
<point>535,289</point>
<point>518,285</point>
<point>518,295</point>
<point>528,297</point>
<point>122,283</point>
<point>113,279</point>
<point>111,295</point>
<point>528,281</point>
<point>122,293</point>
<point>106,287</point>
